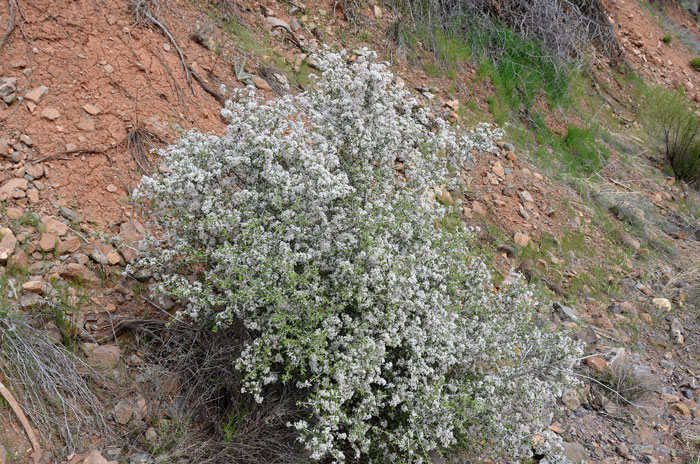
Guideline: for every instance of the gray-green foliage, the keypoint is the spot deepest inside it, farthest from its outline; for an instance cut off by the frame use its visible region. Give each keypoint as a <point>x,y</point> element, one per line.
<point>313,222</point>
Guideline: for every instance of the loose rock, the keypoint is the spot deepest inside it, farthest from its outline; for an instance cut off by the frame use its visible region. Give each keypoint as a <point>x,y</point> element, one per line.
<point>7,244</point>
<point>521,239</point>
<point>123,411</point>
<point>576,452</point>
<point>79,271</point>
<point>50,113</point>
<point>48,241</point>
<point>35,95</point>
<point>53,226</point>
<point>662,303</point>
<point>96,458</point>
<point>106,356</point>
<point>566,313</point>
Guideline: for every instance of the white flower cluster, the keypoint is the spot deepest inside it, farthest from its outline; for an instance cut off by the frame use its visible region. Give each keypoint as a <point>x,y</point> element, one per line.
<point>311,222</point>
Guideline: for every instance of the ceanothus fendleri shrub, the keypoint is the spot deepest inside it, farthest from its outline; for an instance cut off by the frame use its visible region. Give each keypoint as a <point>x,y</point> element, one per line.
<point>312,222</point>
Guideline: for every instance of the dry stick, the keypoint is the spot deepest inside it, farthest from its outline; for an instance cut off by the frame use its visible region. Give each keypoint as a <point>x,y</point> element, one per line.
<point>23,420</point>
<point>75,150</point>
<point>10,25</point>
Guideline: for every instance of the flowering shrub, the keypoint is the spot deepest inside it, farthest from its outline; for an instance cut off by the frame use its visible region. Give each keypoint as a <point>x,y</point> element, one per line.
<point>312,222</point>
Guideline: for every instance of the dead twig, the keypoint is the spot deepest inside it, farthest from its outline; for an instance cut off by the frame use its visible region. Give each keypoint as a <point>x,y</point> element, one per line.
<point>136,141</point>
<point>75,150</point>
<point>36,455</point>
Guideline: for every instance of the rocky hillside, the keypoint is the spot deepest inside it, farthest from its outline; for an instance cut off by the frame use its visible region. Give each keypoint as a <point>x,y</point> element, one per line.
<point>88,89</point>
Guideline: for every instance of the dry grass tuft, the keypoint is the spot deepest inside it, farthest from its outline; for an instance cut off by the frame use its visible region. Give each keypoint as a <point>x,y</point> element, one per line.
<point>51,383</point>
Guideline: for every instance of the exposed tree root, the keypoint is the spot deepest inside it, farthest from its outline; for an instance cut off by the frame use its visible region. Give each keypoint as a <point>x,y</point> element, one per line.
<point>10,25</point>
<point>142,12</point>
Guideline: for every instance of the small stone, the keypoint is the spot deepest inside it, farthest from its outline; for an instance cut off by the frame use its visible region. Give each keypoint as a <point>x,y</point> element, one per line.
<point>25,139</point>
<point>105,356</point>
<point>576,452</point>
<point>140,458</point>
<point>96,458</point>
<point>70,245</point>
<point>670,397</point>
<point>35,95</point>
<point>14,213</point>
<point>662,303</point>
<point>627,308</point>
<point>68,213</point>
<point>33,286</point>
<point>646,317</point>
<point>14,185</point>
<point>521,239</point>
<point>570,399</point>
<point>50,113</point>
<point>79,271</point>
<point>140,408</point>
<point>566,313</point>
<point>525,196</point>
<point>556,428</point>
<point>622,450</point>
<point>377,12</point>
<point>523,212</point>
<point>630,241</point>
<point>261,83</point>
<point>587,335</point>
<point>682,408</point>
<point>30,299</point>
<point>3,454</point>
<point>690,382</point>
<point>54,226</point>
<point>87,125</point>
<point>48,241</point>
<point>91,109</point>
<point>446,197</point>
<point>597,363</point>
<point>677,331</point>
<point>151,434</point>
<point>130,234</point>
<point>478,208</point>
<point>453,105</point>
<point>276,22</point>
<point>33,196</point>
<point>111,188</point>
<point>108,69</point>
<point>511,156</point>
<point>35,170</point>
<point>498,170</point>
<point>7,244</point>
<point>123,411</point>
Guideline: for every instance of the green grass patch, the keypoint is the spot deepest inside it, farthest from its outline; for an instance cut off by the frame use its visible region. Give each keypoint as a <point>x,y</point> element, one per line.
<point>583,154</point>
